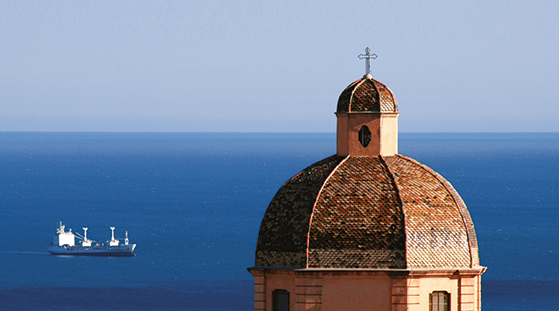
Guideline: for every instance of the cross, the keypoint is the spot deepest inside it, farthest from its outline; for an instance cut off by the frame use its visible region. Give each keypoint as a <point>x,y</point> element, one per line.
<point>367,56</point>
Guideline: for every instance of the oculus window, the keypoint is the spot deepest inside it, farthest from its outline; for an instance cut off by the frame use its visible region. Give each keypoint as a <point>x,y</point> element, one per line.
<point>364,136</point>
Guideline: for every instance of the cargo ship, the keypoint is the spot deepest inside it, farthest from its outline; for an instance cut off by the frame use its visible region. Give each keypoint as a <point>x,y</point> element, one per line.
<point>65,244</point>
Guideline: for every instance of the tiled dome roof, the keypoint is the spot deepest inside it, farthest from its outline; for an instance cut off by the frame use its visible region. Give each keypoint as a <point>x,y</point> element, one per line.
<point>367,212</point>
<point>367,95</point>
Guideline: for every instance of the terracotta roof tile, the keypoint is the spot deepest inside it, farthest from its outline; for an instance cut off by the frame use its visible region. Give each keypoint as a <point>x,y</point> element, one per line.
<point>367,95</point>
<point>358,209</point>
<point>282,241</point>
<point>367,212</point>
<point>436,236</point>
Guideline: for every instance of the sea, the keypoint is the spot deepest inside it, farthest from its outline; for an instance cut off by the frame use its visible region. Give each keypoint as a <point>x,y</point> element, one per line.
<point>193,203</point>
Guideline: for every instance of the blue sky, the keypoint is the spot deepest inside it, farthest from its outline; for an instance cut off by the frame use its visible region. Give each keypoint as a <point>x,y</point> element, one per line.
<point>275,66</point>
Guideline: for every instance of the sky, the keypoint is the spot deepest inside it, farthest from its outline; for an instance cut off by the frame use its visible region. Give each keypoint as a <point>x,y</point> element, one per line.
<point>275,66</point>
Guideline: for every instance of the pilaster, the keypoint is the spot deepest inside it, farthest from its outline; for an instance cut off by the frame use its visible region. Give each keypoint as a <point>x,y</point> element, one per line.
<point>467,292</point>
<point>308,294</point>
<point>405,294</point>
<point>259,290</point>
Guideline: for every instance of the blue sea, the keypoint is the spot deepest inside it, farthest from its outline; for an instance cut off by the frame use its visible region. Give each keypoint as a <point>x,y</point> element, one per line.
<point>193,203</point>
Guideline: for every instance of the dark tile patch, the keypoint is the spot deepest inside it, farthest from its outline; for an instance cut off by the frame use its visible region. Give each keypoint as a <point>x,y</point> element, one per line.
<point>284,228</point>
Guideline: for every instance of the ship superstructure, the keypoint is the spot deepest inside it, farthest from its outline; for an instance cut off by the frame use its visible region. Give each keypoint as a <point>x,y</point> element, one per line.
<point>65,244</point>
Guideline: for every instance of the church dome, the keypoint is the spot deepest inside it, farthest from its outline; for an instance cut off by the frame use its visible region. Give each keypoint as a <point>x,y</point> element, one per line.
<point>367,95</point>
<point>367,212</point>
<point>365,207</point>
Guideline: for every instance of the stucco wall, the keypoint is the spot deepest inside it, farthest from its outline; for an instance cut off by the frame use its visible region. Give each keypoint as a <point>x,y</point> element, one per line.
<point>356,293</point>
<point>389,134</point>
<point>384,134</point>
<point>374,290</point>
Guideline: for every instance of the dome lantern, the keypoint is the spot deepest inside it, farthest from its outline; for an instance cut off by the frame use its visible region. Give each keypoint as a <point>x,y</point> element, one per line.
<point>367,116</point>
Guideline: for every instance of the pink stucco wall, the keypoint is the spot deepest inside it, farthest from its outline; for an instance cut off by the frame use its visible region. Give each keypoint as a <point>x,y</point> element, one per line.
<point>360,289</point>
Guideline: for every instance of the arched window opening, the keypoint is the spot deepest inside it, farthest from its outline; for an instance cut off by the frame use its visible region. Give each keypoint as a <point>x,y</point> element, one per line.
<point>364,136</point>
<point>439,301</point>
<point>281,300</point>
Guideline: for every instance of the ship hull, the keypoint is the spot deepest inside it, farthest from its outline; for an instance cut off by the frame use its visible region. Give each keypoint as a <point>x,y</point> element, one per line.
<point>102,251</point>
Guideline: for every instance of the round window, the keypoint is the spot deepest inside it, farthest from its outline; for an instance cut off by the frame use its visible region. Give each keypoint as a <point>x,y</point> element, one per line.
<point>364,136</point>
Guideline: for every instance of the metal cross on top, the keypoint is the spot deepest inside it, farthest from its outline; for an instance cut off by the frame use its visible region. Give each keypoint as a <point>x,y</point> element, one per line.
<point>367,56</point>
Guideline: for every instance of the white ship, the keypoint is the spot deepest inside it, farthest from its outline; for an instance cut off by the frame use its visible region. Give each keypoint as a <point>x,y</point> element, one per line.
<point>65,244</point>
